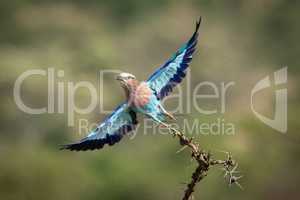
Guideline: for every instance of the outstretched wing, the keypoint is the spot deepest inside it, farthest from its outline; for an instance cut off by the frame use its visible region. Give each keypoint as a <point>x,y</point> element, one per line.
<point>164,79</point>
<point>110,131</point>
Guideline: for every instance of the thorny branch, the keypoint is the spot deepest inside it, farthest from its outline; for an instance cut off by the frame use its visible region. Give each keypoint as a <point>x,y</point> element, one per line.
<point>204,161</point>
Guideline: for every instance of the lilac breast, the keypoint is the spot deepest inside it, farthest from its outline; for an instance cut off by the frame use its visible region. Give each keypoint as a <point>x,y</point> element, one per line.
<point>140,95</point>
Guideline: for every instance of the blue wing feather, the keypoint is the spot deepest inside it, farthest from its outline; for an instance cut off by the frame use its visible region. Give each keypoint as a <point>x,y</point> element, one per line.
<point>110,131</point>
<point>164,79</point>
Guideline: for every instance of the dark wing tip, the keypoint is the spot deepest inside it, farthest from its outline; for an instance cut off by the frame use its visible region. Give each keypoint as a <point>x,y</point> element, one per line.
<point>86,144</point>
<point>71,147</point>
<point>83,146</point>
<point>67,147</point>
<point>198,24</point>
<point>195,35</point>
<point>62,147</point>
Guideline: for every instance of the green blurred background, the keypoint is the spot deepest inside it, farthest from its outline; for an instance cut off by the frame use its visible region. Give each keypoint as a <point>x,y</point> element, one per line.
<point>240,41</point>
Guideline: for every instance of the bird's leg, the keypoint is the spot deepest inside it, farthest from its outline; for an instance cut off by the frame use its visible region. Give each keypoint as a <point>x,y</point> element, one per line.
<point>159,122</point>
<point>167,113</point>
<point>172,130</point>
<point>163,124</point>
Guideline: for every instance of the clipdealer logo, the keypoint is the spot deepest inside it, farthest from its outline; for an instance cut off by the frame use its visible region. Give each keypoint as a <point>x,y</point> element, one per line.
<point>279,122</point>
<point>193,97</point>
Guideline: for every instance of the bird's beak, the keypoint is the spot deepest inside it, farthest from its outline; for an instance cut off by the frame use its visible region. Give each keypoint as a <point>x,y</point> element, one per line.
<point>119,78</point>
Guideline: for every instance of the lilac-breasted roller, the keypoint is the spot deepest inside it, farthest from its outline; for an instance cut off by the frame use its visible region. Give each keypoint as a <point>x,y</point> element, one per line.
<point>142,97</point>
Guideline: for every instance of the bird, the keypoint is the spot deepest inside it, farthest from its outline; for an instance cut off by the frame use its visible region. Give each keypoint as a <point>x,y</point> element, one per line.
<point>142,97</point>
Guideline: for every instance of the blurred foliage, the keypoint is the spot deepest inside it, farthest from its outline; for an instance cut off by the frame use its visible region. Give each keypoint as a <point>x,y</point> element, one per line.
<point>245,39</point>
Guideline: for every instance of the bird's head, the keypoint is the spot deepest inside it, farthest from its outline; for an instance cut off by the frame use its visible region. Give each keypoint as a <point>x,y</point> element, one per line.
<point>127,81</point>
<point>124,78</point>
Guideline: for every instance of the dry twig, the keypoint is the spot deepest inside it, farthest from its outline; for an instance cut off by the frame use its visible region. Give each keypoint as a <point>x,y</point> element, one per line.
<point>204,161</point>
